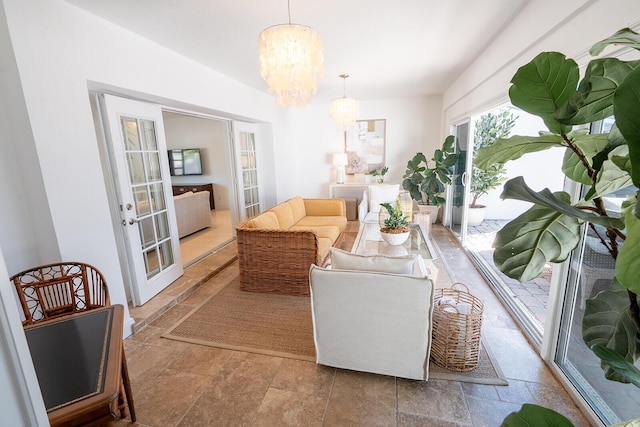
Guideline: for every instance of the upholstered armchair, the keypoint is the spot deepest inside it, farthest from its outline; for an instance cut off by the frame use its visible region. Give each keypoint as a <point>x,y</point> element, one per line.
<point>373,321</point>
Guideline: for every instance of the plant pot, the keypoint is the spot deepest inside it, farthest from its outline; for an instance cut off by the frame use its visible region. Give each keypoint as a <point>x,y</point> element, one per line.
<point>432,209</point>
<point>395,238</point>
<point>476,215</point>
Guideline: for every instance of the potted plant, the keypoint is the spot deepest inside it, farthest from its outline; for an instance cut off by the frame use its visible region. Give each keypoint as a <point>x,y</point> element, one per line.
<point>549,87</point>
<point>488,129</point>
<point>396,227</point>
<point>379,174</point>
<point>426,181</point>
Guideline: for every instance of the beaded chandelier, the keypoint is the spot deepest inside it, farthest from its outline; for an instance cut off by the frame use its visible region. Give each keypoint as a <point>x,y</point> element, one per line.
<point>291,62</point>
<point>344,111</point>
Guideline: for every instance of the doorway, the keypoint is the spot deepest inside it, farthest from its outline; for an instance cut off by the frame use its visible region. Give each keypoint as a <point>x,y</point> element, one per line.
<point>182,129</point>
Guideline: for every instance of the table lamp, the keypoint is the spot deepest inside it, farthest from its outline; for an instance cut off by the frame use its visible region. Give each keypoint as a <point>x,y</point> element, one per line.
<point>340,161</point>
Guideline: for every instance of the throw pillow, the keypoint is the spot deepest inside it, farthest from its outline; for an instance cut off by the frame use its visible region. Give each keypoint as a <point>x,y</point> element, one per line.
<point>343,260</point>
<point>382,194</point>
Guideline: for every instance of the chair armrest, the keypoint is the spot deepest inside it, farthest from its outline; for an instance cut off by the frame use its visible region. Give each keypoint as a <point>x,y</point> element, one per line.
<point>363,207</point>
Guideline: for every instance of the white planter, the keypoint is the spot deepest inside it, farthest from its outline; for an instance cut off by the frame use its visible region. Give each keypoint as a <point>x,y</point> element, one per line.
<point>395,238</point>
<point>432,209</point>
<point>476,216</point>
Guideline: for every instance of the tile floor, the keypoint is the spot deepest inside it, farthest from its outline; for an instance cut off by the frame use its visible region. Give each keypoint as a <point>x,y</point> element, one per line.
<point>197,245</point>
<point>181,384</point>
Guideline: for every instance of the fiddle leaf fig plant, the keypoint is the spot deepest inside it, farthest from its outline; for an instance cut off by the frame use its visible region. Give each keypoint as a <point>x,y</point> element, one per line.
<point>488,129</point>
<point>550,87</point>
<point>426,181</point>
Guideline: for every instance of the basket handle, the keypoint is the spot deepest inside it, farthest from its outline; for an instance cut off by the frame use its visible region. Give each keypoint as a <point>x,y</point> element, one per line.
<point>466,288</point>
<point>443,306</point>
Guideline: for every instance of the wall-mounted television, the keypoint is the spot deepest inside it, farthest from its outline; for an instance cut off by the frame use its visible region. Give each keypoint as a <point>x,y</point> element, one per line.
<point>185,161</point>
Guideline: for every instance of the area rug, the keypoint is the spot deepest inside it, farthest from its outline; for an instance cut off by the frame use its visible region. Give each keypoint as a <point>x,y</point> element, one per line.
<point>280,325</point>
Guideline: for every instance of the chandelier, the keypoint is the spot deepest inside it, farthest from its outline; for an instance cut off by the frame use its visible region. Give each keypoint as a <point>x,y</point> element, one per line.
<point>291,62</point>
<point>344,111</point>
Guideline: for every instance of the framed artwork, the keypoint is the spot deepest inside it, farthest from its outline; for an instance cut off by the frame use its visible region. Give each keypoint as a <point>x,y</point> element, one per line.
<point>365,146</point>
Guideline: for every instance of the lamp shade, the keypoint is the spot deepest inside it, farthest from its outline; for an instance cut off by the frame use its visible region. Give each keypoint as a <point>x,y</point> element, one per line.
<point>340,159</point>
<point>344,112</point>
<point>291,62</point>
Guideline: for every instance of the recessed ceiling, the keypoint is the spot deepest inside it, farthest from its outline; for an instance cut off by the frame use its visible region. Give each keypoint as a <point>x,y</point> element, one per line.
<point>389,49</point>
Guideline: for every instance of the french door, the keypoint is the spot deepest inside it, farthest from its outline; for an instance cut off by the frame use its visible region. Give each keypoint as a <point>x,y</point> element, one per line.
<point>458,203</point>
<point>139,162</point>
<point>249,197</point>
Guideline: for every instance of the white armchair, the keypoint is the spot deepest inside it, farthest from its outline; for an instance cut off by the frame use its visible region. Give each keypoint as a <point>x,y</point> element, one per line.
<point>369,207</point>
<point>373,321</point>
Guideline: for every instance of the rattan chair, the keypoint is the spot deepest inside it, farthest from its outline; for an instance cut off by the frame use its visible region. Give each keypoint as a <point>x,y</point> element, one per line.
<point>55,290</point>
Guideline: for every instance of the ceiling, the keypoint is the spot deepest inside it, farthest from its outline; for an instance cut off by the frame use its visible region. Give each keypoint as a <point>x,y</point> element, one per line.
<point>389,48</point>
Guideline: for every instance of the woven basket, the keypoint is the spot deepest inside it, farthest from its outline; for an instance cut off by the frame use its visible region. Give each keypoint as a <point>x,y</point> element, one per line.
<point>456,337</point>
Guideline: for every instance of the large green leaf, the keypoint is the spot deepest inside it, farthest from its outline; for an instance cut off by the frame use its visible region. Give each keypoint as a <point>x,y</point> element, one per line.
<point>517,189</point>
<point>618,364</point>
<point>505,149</point>
<point>540,235</point>
<point>588,145</point>
<point>543,85</point>
<point>615,140</point>
<point>607,322</point>
<point>628,261</point>
<point>625,36</point>
<point>626,102</point>
<point>611,178</point>
<point>535,415</point>
<point>594,98</point>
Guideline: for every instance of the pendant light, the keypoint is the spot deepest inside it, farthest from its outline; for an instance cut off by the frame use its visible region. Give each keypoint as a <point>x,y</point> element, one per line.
<point>344,111</point>
<point>291,62</point>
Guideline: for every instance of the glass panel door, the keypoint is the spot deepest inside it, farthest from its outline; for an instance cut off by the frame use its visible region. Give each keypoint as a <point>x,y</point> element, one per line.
<point>148,217</point>
<point>460,181</point>
<point>592,270</point>
<point>246,151</point>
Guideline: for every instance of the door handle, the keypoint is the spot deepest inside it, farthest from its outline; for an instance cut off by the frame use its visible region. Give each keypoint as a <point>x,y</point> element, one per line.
<point>133,220</point>
<point>464,178</point>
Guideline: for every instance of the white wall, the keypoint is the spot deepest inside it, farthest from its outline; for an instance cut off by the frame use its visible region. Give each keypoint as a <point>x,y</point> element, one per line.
<point>305,163</point>
<point>212,137</point>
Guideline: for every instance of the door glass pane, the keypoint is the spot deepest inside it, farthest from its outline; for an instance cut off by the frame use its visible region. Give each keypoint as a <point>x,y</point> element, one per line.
<point>166,254</point>
<point>162,222</point>
<point>147,237</point>
<point>157,197</point>
<point>142,200</point>
<point>136,167</point>
<point>153,167</point>
<point>149,135</point>
<point>130,133</point>
<point>151,262</point>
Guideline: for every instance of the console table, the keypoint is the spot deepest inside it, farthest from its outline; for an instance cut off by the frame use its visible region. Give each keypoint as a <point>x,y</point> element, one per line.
<point>183,188</point>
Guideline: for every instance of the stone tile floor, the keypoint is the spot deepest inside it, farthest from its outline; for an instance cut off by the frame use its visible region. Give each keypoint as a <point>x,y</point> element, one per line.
<point>180,384</point>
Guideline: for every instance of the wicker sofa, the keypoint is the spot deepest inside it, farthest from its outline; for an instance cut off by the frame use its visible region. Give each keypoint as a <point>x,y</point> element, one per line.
<point>277,247</point>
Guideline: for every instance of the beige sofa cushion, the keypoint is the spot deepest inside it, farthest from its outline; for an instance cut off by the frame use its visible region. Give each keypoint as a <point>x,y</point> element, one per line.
<point>297,208</point>
<point>267,220</point>
<point>319,221</point>
<point>285,215</point>
<point>326,231</point>
<point>324,245</point>
<point>325,207</point>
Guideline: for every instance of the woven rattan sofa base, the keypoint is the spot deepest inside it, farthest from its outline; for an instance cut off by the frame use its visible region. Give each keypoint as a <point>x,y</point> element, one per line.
<point>273,261</point>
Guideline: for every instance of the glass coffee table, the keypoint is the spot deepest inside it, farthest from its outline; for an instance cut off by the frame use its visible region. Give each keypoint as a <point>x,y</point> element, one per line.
<point>369,242</point>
